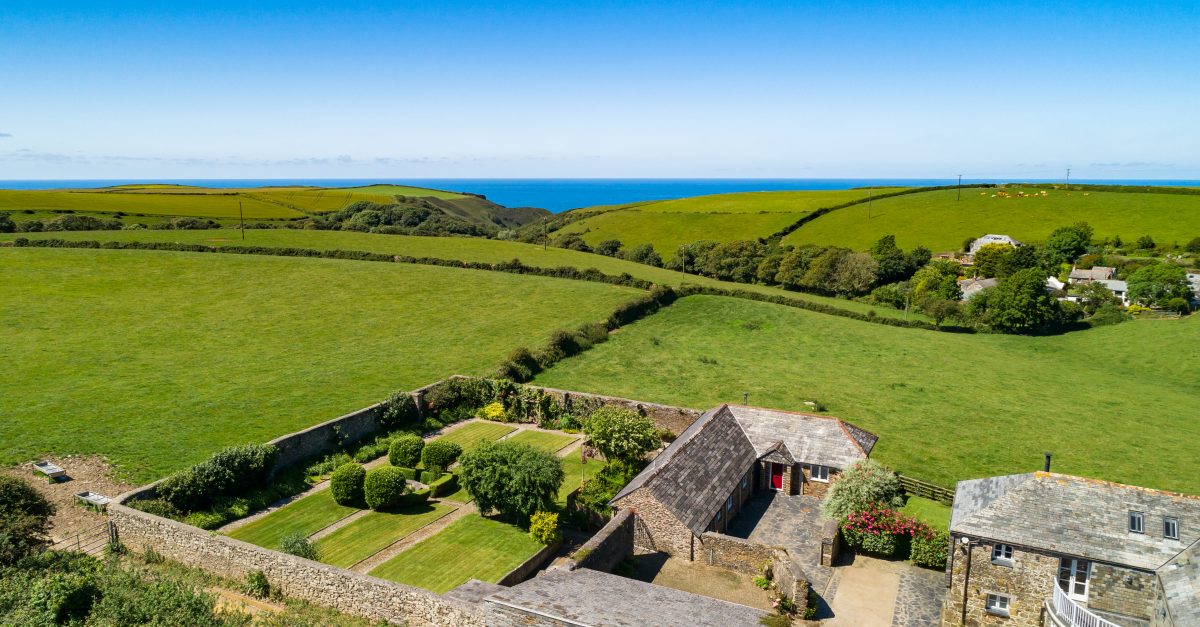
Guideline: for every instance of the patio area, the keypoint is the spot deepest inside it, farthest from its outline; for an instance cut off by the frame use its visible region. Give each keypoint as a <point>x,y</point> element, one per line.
<point>792,522</point>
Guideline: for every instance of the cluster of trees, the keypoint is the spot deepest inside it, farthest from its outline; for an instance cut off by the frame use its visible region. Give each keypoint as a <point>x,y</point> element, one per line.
<point>415,216</point>
<point>64,222</point>
<point>642,253</point>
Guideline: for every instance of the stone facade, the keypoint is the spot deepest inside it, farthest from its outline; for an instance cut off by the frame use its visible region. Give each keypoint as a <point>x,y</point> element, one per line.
<point>816,488</point>
<point>797,479</point>
<point>736,554</point>
<point>1124,591</point>
<point>344,590</point>
<point>610,545</point>
<point>656,528</point>
<point>744,489</point>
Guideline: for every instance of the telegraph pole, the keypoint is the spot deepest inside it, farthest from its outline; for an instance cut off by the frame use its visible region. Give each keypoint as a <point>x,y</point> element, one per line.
<point>870,199</point>
<point>959,188</point>
<point>242,220</point>
<point>1067,182</point>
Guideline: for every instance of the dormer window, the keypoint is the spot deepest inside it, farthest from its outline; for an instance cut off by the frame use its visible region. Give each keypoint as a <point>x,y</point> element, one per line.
<point>1171,528</point>
<point>1137,522</point>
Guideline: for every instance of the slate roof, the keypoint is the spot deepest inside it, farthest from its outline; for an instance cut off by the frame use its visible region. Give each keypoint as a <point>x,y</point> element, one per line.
<point>993,238</point>
<point>1180,579</point>
<point>590,597</point>
<point>811,439</point>
<point>1095,273</point>
<point>1075,516</point>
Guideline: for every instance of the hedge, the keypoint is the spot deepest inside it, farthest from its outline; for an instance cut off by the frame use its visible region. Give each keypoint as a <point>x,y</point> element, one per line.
<point>410,474</point>
<point>931,549</point>
<point>230,471</point>
<point>384,487</point>
<point>444,485</point>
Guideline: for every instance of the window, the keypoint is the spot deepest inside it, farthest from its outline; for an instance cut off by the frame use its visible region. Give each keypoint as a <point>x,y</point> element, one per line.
<point>997,604</point>
<point>1073,577</point>
<point>1171,528</point>
<point>745,480</point>
<point>819,473</point>
<point>1137,522</point>
<point>1002,553</point>
<point>718,518</point>
<point>729,504</point>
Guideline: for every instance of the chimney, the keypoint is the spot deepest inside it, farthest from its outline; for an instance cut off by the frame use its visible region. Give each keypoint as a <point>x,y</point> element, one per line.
<point>1047,454</point>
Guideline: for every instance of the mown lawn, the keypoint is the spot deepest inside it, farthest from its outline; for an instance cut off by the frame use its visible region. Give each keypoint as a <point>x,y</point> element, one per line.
<point>936,514</point>
<point>940,222</point>
<point>549,442</point>
<point>307,516</point>
<point>375,532</point>
<point>464,248</point>
<point>1116,403</point>
<point>157,359</point>
<point>575,473</point>
<point>472,547</point>
<point>472,435</point>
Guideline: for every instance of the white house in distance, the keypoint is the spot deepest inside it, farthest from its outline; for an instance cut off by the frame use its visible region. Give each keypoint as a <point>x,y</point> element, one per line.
<point>992,238</point>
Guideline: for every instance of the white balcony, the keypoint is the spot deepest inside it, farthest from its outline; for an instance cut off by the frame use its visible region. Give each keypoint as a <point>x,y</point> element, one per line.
<point>1065,612</point>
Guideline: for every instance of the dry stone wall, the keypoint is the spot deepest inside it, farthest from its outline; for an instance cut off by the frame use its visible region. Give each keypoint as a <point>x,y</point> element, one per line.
<point>734,554</point>
<point>671,418</point>
<point>610,545</point>
<point>1122,591</point>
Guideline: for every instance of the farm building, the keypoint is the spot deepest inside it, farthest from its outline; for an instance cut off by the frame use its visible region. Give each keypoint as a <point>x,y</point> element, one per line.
<point>992,238</point>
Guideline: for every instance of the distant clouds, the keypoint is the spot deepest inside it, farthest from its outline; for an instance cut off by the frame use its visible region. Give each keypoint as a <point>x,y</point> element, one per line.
<point>1133,164</point>
<point>3,135</point>
<point>34,156</point>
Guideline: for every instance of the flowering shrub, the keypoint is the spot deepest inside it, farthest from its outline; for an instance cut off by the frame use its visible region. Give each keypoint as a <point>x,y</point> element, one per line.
<point>878,529</point>
<point>494,412</point>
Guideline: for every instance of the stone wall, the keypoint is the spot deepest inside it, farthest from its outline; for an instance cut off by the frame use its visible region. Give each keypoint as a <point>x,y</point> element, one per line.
<point>1029,581</point>
<point>671,418</point>
<point>736,554</point>
<point>816,488</point>
<point>295,448</point>
<point>790,579</point>
<point>610,545</point>
<point>530,566</point>
<point>1109,591</point>
<point>655,527</point>
<point>831,542</point>
<point>341,589</point>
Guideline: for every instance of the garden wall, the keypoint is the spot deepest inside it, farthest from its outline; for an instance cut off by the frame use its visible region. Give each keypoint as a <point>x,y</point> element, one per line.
<point>669,417</point>
<point>609,546</point>
<point>531,566</point>
<point>735,554</point>
<point>295,448</point>
<point>346,591</point>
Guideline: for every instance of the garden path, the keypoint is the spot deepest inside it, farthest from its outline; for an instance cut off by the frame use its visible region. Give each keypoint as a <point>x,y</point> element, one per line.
<point>871,592</point>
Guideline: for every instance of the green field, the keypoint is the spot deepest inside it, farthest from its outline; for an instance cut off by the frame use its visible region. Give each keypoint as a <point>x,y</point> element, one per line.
<point>472,435</point>
<point>375,532</point>
<point>306,516</point>
<point>549,442</point>
<point>575,473</point>
<point>721,217</point>
<point>157,359</point>
<point>217,203</point>
<point>1117,403</point>
<point>939,222</point>
<point>936,514</point>
<point>472,547</point>
<point>464,248</point>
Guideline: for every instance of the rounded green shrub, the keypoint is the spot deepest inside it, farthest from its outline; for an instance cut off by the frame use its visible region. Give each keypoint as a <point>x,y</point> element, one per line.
<point>346,484</point>
<point>384,487</point>
<point>406,450</point>
<point>440,454</point>
<point>930,549</point>
<point>297,544</point>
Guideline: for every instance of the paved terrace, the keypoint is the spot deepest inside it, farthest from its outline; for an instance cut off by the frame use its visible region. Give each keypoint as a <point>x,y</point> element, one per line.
<point>792,522</point>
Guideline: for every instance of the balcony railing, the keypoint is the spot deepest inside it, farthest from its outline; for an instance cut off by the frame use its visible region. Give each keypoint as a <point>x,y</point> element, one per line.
<point>1070,613</point>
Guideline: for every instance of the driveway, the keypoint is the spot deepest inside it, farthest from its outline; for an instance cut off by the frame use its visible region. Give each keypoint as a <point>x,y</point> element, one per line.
<point>878,593</point>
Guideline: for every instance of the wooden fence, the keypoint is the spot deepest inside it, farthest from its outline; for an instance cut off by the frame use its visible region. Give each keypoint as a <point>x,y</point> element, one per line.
<point>926,489</point>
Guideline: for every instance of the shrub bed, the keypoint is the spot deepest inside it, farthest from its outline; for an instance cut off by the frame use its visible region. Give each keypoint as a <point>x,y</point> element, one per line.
<point>231,471</point>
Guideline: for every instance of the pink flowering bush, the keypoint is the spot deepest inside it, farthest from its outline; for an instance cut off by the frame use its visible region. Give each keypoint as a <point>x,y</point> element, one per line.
<point>879,529</point>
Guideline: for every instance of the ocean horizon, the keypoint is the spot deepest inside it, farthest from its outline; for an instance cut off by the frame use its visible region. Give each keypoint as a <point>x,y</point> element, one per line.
<point>559,195</point>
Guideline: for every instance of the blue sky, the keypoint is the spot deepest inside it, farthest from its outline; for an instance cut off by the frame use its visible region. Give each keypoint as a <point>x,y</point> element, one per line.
<point>614,89</point>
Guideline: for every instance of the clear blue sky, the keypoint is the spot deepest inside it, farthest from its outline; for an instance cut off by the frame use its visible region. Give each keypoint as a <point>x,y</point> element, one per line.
<point>637,89</point>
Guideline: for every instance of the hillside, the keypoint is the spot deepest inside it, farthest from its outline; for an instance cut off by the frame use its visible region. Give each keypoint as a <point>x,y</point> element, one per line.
<point>148,202</point>
<point>938,221</point>
<point>157,359</point>
<point>722,217</point>
<point>1116,402</point>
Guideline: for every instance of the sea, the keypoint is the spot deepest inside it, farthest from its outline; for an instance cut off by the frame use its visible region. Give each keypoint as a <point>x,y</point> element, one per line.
<point>563,194</point>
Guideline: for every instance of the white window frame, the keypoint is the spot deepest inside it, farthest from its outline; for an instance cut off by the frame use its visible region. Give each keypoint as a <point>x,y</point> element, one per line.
<point>1171,524</point>
<point>814,470</point>
<point>997,604</point>
<point>1003,554</point>
<point>1140,519</point>
<point>1074,568</point>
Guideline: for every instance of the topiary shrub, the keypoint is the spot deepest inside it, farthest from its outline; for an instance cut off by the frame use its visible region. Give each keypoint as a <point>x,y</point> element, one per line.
<point>430,475</point>
<point>384,487</point>
<point>440,453</point>
<point>543,527</point>
<point>864,483</point>
<point>346,484</point>
<point>930,548</point>
<point>494,412</point>
<point>297,544</point>
<point>24,520</point>
<point>444,485</point>
<point>406,450</point>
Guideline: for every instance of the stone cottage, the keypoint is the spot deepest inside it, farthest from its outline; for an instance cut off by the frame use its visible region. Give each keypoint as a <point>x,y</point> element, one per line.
<point>700,482</point>
<point>1051,549</point>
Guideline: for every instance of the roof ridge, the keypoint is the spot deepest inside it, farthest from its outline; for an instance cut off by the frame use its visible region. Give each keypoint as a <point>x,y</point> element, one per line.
<point>655,470</point>
<point>841,423</point>
<point>1041,474</point>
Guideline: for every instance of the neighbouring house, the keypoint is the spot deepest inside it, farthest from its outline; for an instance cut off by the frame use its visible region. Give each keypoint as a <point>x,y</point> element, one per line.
<point>1193,279</point>
<point>701,481</point>
<point>1095,273</point>
<point>1054,285</point>
<point>971,287</point>
<point>1043,549</point>
<point>992,238</point>
<point>1120,289</point>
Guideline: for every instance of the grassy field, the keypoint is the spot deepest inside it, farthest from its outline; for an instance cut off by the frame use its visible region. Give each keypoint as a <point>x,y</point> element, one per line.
<point>722,217</point>
<point>156,359</point>
<point>472,435</point>
<point>938,221</point>
<point>932,512</point>
<point>472,547</point>
<point>401,190</point>
<point>307,516</point>
<point>375,532</point>
<point>576,473</point>
<point>549,442</point>
<point>1117,403</point>
<point>464,248</point>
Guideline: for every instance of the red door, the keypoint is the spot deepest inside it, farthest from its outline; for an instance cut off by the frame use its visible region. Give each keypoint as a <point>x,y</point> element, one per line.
<point>776,476</point>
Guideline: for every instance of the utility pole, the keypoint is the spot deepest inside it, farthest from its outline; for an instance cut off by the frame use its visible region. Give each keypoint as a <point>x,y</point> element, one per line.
<point>870,199</point>
<point>959,187</point>
<point>545,235</point>
<point>242,220</point>
<point>1067,183</point>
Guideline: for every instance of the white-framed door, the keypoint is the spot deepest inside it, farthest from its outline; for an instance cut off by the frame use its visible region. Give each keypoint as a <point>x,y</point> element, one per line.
<point>1073,577</point>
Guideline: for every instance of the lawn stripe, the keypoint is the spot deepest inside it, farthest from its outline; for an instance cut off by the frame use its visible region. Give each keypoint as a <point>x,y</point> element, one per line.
<point>549,442</point>
<point>306,516</point>
<point>375,532</point>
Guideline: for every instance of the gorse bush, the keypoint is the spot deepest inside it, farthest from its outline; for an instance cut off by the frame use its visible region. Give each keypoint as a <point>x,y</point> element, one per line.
<point>230,471</point>
<point>384,487</point>
<point>862,485</point>
<point>406,450</point>
<point>440,454</point>
<point>24,520</point>
<point>346,484</point>
<point>543,527</point>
